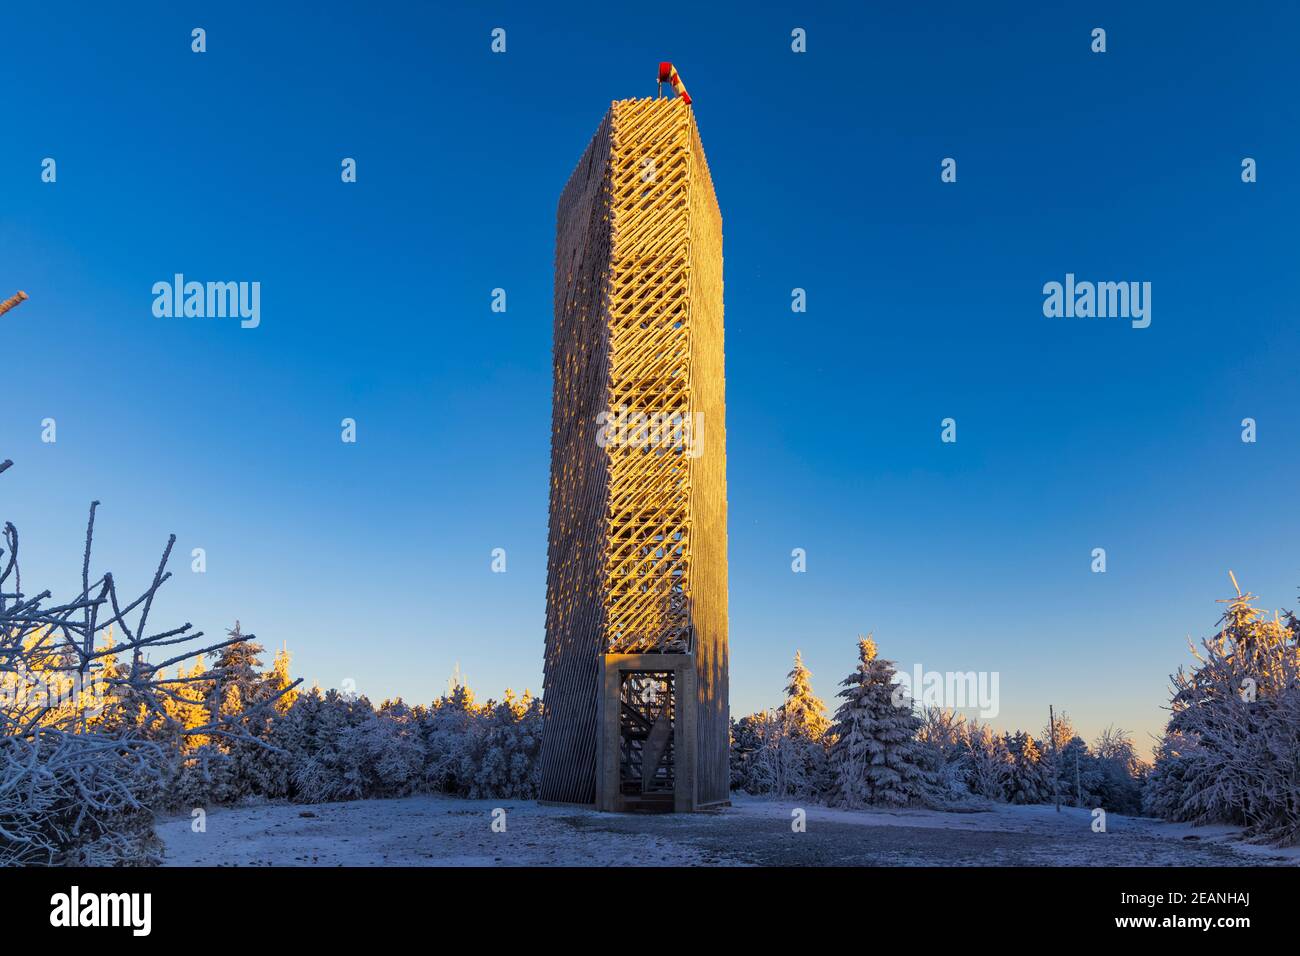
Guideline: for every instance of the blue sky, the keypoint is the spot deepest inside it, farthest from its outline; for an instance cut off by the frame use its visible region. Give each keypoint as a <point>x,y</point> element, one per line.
<point>924,302</point>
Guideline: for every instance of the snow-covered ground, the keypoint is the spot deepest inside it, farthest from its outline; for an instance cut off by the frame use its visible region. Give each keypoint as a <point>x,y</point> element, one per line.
<point>414,831</point>
<point>444,831</point>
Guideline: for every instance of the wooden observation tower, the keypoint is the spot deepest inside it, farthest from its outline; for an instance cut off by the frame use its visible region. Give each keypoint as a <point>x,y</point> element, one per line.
<point>635,690</point>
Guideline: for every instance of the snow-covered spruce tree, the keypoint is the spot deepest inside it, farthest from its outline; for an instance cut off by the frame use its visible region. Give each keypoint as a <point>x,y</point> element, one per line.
<point>875,758</point>
<point>226,770</point>
<point>1168,780</point>
<point>82,768</point>
<point>803,712</point>
<point>746,743</point>
<point>1028,778</point>
<point>1231,752</point>
<point>267,771</point>
<point>760,767</point>
<point>1121,773</point>
<point>237,677</point>
<point>232,686</point>
<point>281,681</point>
<point>988,764</point>
<point>446,730</point>
<point>300,733</point>
<point>782,751</point>
<point>800,751</point>
<point>739,749</point>
<point>1077,775</point>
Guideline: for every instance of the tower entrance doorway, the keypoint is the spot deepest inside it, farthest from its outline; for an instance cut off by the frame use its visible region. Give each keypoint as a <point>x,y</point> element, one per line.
<point>647,755</point>
<point>647,721</point>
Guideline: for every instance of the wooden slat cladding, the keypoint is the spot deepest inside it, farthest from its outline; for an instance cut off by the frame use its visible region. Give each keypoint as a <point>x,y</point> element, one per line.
<point>575,605</point>
<point>638,539</point>
<point>708,482</point>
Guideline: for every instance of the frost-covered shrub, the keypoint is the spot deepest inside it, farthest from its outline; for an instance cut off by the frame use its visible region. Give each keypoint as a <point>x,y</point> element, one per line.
<point>331,746</point>
<point>987,763</point>
<point>504,750</point>
<point>942,739</point>
<point>330,760</point>
<point>446,729</point>
<point>390,753</point>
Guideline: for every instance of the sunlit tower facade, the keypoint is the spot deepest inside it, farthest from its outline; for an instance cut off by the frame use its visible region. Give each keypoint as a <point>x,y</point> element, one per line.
<point>635,689</point>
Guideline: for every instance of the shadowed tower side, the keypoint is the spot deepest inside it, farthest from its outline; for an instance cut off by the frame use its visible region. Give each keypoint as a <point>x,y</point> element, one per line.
<point>635,690</point>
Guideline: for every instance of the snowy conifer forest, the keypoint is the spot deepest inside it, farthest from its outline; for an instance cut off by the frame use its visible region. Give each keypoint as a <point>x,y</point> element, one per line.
<point>112,721</point>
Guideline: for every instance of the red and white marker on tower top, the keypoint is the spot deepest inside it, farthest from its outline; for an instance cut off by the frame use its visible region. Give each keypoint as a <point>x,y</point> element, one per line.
<point>668,74</point>
<point>12,301</point>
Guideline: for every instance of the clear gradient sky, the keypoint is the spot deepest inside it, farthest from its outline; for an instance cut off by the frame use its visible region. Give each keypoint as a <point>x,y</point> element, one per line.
<point>372,561</point>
